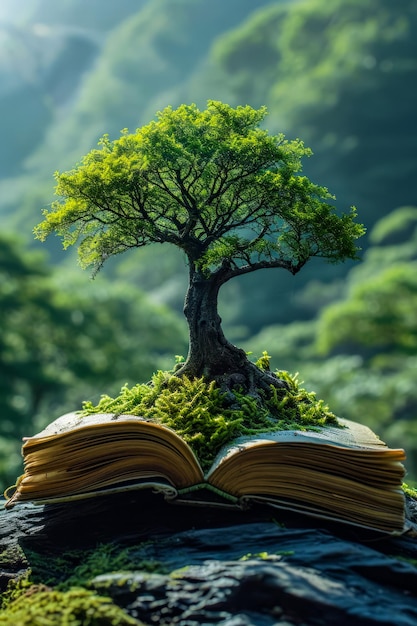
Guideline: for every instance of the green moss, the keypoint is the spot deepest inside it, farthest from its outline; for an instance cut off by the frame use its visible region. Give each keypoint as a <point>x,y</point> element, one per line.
<point>258,555</point>
<point>266,555</point>
<point>41,606</point>
<point>15,588</point>
<point>410,491</point>
<point>104,559</point>
<point>203,415</point>
<point>52,592</point>
<point>13,556</point>
<point>75,568</point>
<point>405,559</point>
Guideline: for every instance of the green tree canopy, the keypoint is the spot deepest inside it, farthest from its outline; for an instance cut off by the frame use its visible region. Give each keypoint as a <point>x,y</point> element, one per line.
<point>217,186</point>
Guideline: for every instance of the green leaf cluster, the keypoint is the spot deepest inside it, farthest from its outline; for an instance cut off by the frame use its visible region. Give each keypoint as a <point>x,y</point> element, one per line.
<point>213,183</point>
<point>380,314</point>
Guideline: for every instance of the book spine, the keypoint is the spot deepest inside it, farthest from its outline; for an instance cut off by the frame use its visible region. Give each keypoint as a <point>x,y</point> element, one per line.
<point>219,492</point>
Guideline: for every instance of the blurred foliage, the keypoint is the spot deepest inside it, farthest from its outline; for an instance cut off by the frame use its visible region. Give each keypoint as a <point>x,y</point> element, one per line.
<point>248,57</point>
<point>398,227</point>
<point>141,64</point>
<point>88,15</point>
<point>340,74</point>
<point>40,68</point>
<point>63,341</point>
<point>378,314</point>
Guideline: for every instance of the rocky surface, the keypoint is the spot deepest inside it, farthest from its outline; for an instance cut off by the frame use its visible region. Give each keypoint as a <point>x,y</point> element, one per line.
<point>191,566</point>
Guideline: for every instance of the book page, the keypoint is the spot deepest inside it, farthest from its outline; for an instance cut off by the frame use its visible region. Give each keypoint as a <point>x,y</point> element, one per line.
<point>72,421</point>
<point>350,435</point>
<point>75,455</point>
<point>91,430</point>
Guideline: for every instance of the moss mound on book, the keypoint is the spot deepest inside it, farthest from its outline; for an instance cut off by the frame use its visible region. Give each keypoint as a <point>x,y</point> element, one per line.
<point>207,418</point>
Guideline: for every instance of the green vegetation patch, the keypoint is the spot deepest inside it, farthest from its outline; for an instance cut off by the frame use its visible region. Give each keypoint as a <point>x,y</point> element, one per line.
<point>42,606</point>
<point>16,587</point>
<point>12,555</point>
<point>207,418</point>
<point>266,555</point>
<point>52,592</point>
<point>410,491</point>
<point>76,568</point>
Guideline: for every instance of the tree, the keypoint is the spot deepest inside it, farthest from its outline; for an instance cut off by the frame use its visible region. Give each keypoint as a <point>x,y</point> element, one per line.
<point>220,188</point>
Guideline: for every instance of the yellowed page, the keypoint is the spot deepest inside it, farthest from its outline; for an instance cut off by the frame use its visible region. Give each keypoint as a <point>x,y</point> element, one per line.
<point>76,455</point>
<point>351,436</point>
<point>344,473</point>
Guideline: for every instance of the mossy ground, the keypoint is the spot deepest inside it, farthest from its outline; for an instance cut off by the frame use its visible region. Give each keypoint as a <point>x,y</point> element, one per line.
<point>76,567</point>
<point>13,554</point>
<point>53,591</point>
<point>207,418</point>
<point>42,606</point>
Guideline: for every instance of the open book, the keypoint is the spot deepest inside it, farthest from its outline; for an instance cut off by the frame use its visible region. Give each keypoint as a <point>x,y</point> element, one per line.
<point>345,474</point>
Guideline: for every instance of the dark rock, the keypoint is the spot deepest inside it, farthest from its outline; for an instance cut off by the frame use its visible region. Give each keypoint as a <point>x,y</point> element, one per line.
<point>219,567</point>
<point>260,589</point>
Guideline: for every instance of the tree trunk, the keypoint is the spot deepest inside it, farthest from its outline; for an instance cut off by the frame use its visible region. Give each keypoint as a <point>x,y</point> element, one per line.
<point>210,354</point>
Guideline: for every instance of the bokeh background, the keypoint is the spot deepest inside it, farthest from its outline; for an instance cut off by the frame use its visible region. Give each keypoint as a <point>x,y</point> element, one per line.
<point>339,74</point>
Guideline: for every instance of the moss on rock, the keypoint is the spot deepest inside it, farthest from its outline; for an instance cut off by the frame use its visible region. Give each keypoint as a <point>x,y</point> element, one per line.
<point>13,555</point>
<point>77,567</point>
<point>41,606</point>
<point>52,592</point>
<point>410,491</point>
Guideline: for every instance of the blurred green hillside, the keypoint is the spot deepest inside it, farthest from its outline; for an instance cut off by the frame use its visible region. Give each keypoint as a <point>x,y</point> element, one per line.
<point>339,74</point>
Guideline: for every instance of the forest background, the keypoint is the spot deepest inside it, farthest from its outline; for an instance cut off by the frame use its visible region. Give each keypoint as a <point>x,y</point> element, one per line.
<point>339,74</point>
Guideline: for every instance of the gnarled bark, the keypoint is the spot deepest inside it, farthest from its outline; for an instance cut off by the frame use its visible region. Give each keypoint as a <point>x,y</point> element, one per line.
<point>210,354</point>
